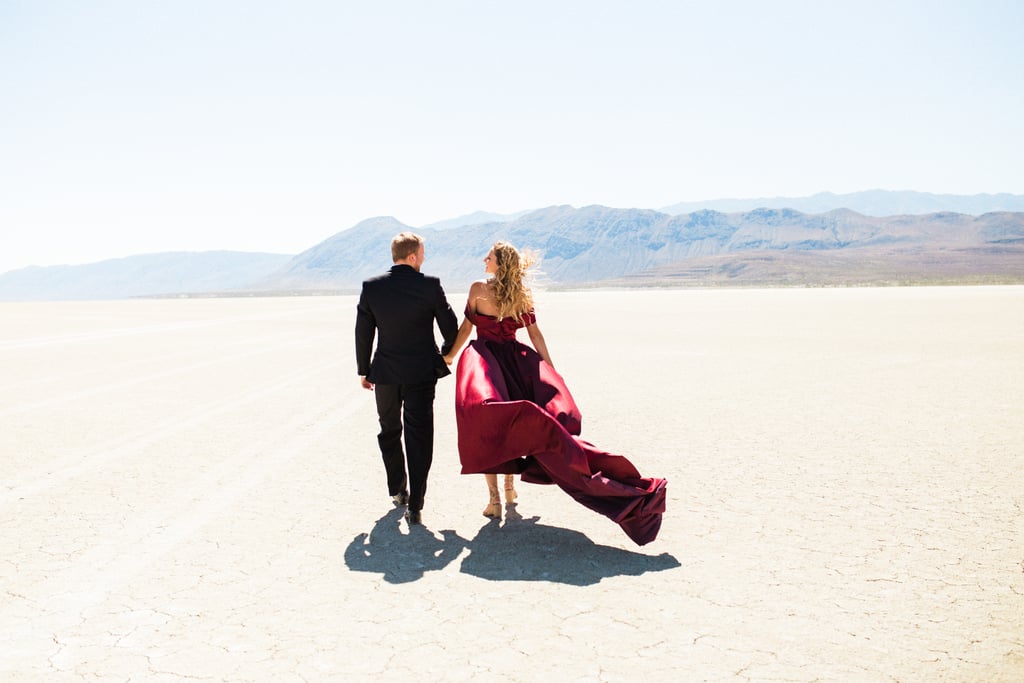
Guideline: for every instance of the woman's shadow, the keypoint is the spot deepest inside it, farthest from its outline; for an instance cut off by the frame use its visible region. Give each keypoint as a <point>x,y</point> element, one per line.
<point>515,549</point>
<point>519,549</point>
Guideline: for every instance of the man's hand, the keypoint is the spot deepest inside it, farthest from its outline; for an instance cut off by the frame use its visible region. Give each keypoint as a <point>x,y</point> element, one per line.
<point>366,384</point>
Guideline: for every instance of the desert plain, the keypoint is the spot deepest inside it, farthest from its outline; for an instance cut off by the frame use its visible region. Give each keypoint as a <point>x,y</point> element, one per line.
<point>190,490</point>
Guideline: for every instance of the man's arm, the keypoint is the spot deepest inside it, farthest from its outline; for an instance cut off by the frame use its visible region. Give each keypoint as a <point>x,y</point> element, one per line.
<point>366,328</point>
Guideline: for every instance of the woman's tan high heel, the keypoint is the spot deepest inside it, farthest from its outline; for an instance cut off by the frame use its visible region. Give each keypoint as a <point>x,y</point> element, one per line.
<point>493,508</point>
<point>510,489</point>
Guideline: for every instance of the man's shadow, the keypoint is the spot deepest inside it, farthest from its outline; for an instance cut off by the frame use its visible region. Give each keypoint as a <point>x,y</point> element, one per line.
<point>515,549</point>
<point>401,558</point>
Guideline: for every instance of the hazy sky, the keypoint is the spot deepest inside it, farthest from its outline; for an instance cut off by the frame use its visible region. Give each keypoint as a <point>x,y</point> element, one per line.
<point>130,126</point>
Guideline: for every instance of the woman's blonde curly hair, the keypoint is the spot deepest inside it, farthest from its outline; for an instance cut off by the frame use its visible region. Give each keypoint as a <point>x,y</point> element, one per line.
<point>513,297</point>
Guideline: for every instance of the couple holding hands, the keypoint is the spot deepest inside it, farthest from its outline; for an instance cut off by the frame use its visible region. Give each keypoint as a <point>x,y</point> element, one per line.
<point>514,413</point>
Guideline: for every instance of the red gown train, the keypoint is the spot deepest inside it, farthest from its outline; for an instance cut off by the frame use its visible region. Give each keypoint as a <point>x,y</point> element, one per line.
<point>515,415</point>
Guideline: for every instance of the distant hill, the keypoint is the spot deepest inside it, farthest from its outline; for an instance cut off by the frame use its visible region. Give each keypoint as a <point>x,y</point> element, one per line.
<point>476,218</point>
<point>144,275</point>
<point>342,261</point>
<point>869,203</point>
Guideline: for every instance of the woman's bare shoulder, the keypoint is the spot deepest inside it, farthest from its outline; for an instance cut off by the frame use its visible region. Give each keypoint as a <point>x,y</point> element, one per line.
<point>479,288</point>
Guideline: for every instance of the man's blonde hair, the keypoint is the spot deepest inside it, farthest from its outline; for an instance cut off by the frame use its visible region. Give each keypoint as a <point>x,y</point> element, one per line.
<point>404,244</point>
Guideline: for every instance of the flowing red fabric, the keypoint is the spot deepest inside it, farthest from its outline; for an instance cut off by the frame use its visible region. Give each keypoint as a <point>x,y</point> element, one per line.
<point>516,415</point>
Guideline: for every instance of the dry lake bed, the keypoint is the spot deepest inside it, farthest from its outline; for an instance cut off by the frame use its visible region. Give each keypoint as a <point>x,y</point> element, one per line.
<point>190,489</point>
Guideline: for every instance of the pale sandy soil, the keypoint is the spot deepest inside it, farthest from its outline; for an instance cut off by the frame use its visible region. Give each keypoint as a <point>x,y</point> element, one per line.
<point>190,490</point>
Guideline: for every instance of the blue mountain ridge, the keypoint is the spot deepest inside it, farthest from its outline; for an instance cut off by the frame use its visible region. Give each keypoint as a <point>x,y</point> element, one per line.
<point>587,246</point>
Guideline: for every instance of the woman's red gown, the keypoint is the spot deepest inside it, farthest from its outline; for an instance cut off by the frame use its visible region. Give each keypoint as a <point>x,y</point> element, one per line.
<point>515,415</point>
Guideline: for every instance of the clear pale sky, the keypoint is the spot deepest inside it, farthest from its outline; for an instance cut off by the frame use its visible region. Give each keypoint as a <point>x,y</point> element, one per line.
<point>131,127</point>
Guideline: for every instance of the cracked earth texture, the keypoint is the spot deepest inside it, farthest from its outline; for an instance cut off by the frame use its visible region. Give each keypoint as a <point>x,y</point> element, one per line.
<point>190,490</point>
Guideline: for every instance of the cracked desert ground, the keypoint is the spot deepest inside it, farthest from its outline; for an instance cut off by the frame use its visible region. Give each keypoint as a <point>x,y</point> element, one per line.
<point>190,490</point>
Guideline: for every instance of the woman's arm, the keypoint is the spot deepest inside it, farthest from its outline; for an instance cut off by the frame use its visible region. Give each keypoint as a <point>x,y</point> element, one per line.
<point>476,290</point>
<point>460,339</point>
<point>537,339</point>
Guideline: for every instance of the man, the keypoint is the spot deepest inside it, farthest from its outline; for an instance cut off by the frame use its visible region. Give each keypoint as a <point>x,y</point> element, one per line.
<point>400,308</point>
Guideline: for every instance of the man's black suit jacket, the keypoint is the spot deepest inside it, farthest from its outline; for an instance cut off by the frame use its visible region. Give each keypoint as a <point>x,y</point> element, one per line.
<point>400,308</point>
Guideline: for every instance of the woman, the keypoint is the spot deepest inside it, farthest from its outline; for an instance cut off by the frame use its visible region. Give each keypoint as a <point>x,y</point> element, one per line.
<point>515,414</point>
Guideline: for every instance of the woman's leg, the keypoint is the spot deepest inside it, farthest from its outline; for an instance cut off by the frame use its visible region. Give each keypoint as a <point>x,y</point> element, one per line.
<point>510,489</point>
<point>493,508</point>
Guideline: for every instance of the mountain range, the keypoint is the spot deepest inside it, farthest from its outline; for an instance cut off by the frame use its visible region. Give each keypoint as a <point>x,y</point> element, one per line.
<point>595,246</point>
